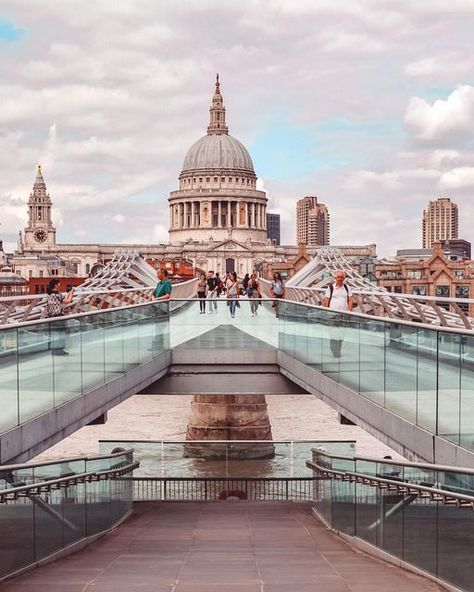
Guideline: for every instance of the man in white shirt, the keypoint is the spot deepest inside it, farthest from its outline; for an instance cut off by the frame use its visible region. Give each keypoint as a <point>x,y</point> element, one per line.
<point>338,297</point>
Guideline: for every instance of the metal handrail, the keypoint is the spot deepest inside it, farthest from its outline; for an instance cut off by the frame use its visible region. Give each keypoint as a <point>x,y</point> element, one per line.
<point>16,467</point>
<point>400,463</point>
<point>399,486</point>
<point>14,493</point>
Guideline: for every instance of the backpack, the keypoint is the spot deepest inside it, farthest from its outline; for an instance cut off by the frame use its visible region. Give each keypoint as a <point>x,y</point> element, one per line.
<point>331,290</point>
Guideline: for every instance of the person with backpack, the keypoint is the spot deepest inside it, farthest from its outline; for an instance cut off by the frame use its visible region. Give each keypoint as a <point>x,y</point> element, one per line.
<point>338,297</point>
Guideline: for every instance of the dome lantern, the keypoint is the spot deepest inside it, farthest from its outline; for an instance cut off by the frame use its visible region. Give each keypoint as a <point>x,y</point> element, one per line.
<point>217,124</point>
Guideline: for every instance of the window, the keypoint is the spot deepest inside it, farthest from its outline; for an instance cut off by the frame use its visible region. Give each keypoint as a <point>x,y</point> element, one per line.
<point>200,179</point>
<point>88,268</point>
<point>442,291</point>
<point>415,275</point>
<point>41,273</point>
<point>30,273</point>
<point>230,179</point>
<point>462,291</point>
<point>215,179</point>
<point>222,179</point>
<point>419,290</point>
<point>459,273</point>
<point>208,179</point>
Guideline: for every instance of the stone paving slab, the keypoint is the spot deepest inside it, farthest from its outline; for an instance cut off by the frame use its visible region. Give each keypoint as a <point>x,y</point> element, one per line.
<point>222,546</point>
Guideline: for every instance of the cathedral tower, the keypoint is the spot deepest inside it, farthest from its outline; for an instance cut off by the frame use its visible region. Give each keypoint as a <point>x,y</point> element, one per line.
<point>39,233</point>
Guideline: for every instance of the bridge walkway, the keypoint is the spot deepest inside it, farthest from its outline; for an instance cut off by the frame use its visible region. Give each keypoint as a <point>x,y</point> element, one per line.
<point>211,547</point>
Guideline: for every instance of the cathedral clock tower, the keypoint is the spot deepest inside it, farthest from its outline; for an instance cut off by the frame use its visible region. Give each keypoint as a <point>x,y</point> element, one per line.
<point>39,233</point>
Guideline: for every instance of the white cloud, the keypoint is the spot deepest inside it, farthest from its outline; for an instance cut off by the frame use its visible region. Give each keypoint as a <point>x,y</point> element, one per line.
<point>457,178</point>
<point>449,66</point>
<point>444,118</point>
<point>110,97</point>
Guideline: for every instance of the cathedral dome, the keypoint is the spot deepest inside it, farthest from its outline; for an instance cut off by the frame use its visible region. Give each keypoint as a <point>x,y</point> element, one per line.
<point>218,151</point>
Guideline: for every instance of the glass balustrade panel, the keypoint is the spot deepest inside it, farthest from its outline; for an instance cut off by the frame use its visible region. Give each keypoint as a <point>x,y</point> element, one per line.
<point>35,371</point>
<point>67,359</point>
<point>93,350</point>
<point>466,411</point>
<point>401,343</point>
<point>427,360</point>
<point>9,399</point>
<point>372,359</point>
<point>114,338</point>
<point>17,543</point>
<point>449,380</point>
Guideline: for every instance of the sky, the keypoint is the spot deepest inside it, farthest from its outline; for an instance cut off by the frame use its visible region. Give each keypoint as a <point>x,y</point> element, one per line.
<point>369,105</point>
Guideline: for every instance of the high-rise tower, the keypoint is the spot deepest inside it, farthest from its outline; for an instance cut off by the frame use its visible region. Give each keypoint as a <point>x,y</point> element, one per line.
<point>440,222</point>
<point>312,222</point>
<point>39,232</point>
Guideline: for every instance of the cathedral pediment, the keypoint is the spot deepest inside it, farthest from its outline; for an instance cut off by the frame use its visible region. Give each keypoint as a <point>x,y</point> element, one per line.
<point>229,245</point>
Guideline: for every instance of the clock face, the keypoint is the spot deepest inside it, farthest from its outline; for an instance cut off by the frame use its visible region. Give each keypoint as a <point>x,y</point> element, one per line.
<point>40,235</point>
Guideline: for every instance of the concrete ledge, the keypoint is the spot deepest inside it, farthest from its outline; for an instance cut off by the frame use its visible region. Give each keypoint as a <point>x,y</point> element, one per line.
<point>29,439</point>
<point>182,355</point>
<point>411,441</point>
<point>372,550</point>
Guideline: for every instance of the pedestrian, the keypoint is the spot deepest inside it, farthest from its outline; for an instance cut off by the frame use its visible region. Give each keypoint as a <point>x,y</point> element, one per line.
<point>55,302</point>
<point>201,293</point>
<point>163,287</point>
<point>232,293</point>
<point>162,292</point>
<point>277,291</point>
<point>338,297</point>
<point>212,291</point>
<point>220,285</point>
<point>253,293</point>
<point>245,282</point>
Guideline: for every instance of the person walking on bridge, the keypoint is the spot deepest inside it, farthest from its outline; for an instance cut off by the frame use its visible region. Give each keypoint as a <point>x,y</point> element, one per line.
<point>338,297</point>
<point>253,292</point>
<point>232,293</point>
<point>163,287</point>
<point>55,302</point>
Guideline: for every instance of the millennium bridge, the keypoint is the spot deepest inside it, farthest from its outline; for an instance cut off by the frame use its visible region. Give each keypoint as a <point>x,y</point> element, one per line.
<point>312,517</point>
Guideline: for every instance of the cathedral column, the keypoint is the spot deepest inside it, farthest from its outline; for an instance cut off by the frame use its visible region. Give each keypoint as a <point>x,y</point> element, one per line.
<point>171,217</point>
<point>219,220</point>
<point>229,204</point>
<point>252,214</point>
<point>246,215</point>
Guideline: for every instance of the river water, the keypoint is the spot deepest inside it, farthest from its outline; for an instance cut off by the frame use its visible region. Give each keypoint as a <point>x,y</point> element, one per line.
<point>164,417</point>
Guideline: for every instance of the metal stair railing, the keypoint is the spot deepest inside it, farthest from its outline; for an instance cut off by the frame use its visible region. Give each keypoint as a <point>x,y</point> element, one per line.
<point>397,486</point>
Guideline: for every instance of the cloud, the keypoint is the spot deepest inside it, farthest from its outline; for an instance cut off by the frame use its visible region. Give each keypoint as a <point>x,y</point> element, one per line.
<point>443,119</point>
<point>457,178</point>
<point>450,66</point>
<point>109,98</point>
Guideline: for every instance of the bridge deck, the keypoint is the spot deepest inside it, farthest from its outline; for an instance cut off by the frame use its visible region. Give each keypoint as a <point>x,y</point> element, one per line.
<point>211,547</point>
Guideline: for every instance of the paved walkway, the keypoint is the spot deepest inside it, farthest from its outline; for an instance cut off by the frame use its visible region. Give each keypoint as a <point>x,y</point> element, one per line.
<point>220,547</point>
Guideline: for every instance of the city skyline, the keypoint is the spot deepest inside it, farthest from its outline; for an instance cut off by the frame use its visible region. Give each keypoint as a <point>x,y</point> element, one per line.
<point>343,103</point>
